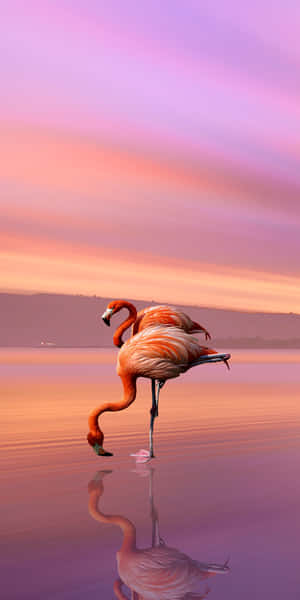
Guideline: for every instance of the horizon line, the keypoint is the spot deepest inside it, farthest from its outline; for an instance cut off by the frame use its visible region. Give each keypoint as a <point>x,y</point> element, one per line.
<point>153,301</point>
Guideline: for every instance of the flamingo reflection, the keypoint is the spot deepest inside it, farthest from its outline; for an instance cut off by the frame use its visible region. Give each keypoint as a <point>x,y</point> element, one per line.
<point>158,572</point>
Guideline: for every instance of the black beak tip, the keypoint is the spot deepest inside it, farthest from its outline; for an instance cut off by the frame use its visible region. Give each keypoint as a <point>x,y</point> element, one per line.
<point>106,321</point>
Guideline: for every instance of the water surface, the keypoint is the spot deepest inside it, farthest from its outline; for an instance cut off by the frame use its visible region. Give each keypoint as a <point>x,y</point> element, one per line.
<point>225,483</point>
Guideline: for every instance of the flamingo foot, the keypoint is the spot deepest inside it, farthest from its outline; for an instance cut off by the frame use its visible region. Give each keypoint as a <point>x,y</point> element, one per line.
<point>142,456</point>
<point>100,450</point>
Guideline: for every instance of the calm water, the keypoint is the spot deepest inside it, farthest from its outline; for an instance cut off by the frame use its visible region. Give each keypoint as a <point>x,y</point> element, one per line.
<point>224,489</point>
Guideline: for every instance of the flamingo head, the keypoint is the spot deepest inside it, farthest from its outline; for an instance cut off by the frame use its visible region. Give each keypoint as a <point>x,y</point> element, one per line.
<point>96,440</point>
<point>106,316</point>
<point>112,308</point>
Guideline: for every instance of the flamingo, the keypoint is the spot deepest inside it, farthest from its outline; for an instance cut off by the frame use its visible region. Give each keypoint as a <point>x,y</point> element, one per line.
<point>156,572</point>
<point>148,317</point>
<point>157,353</point>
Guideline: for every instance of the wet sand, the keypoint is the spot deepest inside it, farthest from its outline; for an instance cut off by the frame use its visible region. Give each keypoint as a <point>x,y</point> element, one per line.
<point>225,480</point>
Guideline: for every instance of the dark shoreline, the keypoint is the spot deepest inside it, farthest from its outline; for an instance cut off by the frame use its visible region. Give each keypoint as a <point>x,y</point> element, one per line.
<point>223,344</point>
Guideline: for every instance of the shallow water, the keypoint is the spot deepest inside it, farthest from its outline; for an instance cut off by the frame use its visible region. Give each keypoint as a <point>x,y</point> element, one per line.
<point>224,483</point>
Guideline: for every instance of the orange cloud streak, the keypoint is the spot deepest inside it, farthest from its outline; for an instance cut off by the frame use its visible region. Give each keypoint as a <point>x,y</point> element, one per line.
<point>50,162</point>
<point>36,265</point>
<point>69,164</point>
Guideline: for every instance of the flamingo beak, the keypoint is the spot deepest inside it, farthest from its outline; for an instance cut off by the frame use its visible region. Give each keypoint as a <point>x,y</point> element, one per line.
<point>106,316</point>
<point>99,450</point>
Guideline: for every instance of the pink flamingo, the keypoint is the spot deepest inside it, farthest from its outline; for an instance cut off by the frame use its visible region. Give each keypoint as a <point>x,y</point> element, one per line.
<point>156,572</point>
<point>149,317</point>
<point>158,353</point>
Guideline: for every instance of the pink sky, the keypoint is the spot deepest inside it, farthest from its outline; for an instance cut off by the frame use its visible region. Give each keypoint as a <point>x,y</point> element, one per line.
<point>151,150</point>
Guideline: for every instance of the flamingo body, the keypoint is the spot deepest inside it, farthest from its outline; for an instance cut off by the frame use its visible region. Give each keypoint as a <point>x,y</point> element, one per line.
<point>168,316</point>
<point>160,353</point>
<point>160,315</point>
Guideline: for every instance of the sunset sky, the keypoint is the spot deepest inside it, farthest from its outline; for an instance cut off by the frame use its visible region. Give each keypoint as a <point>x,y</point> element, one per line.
<point>151,150</point>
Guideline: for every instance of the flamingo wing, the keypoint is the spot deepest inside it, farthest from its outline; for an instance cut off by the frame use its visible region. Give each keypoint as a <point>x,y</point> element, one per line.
<point>168,316</point>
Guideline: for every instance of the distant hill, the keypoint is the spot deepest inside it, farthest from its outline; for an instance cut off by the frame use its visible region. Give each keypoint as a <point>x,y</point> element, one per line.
<point>29,320</point>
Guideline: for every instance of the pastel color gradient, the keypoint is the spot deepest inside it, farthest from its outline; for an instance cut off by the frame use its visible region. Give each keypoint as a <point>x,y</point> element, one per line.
<point>151,150</point>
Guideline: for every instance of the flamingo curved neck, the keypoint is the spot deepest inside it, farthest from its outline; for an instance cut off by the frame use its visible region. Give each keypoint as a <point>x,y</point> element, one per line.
<point>129,394</point>
<point>126,526</point>
<point>126,324</point>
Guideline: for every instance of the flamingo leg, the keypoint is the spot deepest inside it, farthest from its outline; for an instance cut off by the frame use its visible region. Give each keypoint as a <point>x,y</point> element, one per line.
<point>154,410</point>
<point>160,384</point>
<point>153,414</point>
